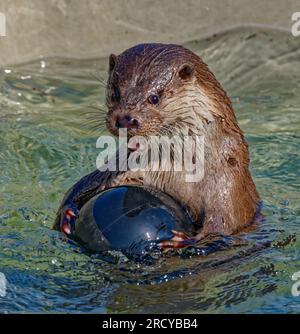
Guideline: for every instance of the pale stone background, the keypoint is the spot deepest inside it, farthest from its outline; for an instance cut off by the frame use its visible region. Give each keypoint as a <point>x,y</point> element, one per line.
<point>94,28</point>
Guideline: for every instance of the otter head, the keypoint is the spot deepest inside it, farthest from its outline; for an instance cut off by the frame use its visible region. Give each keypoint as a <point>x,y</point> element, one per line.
<point>159,89</point>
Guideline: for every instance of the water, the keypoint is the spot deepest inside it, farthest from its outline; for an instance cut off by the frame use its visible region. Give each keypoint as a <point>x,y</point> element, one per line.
<point>45,147</point>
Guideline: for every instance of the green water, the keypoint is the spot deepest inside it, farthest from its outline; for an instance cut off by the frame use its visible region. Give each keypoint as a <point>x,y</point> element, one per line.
<point>47,143</point>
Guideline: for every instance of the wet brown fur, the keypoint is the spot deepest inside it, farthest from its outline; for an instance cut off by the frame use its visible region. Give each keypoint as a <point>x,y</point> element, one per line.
<point>194,102</point>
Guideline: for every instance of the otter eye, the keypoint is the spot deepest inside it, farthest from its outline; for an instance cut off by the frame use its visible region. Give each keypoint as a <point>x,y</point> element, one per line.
<point>116,95</point>
<point>153,99</point>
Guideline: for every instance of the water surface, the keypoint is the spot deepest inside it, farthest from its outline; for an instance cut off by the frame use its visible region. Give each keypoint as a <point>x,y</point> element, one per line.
<point>47,143</point>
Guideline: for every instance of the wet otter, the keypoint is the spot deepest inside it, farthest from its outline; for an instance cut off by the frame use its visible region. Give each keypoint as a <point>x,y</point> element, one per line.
<point>156,88</point>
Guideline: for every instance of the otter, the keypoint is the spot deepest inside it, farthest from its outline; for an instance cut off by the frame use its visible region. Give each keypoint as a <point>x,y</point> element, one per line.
<point>154,87</point>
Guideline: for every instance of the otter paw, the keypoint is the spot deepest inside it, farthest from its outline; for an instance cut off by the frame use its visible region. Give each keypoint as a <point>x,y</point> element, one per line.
<point>179,240</point>
<point>68,220</point>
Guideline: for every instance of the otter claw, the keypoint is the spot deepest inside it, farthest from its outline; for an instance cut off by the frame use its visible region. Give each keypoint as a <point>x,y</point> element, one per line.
<point>68,220</point>
<point>179,240</point>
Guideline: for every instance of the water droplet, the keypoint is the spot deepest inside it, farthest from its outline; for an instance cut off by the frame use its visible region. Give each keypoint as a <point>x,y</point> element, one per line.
<point>285,202</point>
<point>43,64</point>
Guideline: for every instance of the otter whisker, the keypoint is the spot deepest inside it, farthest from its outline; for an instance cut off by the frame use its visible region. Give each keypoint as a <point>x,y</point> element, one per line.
<point>94,129</point>
<point>99,108</point>
<point>93,116</point>
<point>94,120</point>
<point>101,80</point>
<point>89,122</point>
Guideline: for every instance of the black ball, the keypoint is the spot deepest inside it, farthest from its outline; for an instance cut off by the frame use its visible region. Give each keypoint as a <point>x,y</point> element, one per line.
<point>131,219</point>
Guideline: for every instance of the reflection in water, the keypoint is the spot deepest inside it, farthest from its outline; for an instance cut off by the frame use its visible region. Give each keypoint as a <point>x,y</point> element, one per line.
<point>48,133</point>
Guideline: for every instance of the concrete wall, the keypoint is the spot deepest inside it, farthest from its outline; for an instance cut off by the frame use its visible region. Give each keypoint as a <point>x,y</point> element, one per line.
<point>94,28</point>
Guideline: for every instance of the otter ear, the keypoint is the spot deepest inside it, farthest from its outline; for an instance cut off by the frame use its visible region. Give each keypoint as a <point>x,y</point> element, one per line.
<point>112,62</point>
<point>185,71</point>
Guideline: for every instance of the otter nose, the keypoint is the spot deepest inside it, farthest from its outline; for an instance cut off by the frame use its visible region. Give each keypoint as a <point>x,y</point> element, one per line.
<point>126,122</point>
